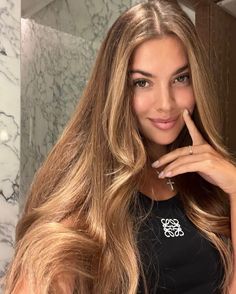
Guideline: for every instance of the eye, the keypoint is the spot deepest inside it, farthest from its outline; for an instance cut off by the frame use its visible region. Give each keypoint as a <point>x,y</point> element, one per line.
<point>140,83</point>
<point>183,79</point>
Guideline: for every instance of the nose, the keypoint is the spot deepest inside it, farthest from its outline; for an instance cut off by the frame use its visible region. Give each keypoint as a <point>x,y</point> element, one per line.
<point>164,98</point>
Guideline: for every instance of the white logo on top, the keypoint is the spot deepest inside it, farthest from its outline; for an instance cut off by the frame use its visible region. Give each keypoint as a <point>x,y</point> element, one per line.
<point>171,227</point>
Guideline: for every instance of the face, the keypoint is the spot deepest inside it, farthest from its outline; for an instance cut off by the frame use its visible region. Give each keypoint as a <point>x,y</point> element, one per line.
<point>160,77</point>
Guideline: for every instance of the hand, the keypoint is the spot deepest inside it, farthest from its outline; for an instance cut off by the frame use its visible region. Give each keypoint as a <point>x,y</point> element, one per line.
<point>204,160</point>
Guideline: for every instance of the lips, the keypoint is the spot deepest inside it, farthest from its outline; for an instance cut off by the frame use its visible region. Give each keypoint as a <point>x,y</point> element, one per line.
<point>164,120</point>
<point>164,123</point>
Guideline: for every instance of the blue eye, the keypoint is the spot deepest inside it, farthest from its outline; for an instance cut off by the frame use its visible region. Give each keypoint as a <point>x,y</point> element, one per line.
<point>141,83</point>
<point>185,78</point>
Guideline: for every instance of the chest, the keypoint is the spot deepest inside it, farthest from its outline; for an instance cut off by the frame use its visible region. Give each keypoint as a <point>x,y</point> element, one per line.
<point>175,256</point>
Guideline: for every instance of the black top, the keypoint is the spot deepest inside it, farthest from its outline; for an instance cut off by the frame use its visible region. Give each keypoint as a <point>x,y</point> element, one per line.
<point>176,258</point>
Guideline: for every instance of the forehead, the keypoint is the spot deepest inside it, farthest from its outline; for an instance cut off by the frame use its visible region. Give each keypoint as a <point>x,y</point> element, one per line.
<point>163,54</point>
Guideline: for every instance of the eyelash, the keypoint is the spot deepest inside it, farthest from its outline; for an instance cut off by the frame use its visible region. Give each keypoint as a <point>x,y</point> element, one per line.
<point>184,76</point>
<point>137,81</point>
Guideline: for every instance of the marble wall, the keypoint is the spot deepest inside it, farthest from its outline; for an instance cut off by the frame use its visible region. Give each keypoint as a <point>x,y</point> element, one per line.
<point>58,47</point>
<point>9,126</point>
<point>88,19</point>
<point>55,66</point>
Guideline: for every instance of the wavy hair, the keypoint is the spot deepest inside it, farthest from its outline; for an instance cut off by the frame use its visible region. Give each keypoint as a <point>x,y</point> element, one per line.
<point>77,220</point>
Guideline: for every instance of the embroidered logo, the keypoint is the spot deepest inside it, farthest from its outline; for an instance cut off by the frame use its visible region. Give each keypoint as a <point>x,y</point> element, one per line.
<point>171,227</point>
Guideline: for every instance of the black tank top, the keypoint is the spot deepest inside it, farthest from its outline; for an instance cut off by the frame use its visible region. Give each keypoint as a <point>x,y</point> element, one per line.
<point>176,257</point>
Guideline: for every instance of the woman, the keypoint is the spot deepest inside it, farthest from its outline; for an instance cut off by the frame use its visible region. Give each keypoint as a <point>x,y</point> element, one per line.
<point>139,176</point>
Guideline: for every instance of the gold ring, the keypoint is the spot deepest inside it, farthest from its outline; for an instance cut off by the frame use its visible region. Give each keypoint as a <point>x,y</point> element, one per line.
<point>190,149</point>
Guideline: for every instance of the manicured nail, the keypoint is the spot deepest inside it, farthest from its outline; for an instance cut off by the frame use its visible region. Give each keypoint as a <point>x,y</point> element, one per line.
<point>155,164</point>
<point>161,174</point>
<point>186,111</point>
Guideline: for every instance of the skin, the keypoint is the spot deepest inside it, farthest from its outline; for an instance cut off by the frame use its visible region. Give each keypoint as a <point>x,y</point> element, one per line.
<point>211,166</point>
<point>160,92</point>
<point>162,96</point>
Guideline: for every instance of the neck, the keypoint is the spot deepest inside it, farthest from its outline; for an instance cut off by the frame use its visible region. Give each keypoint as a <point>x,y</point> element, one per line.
<point>155,188</point>
<point>151,185</point>
<point>155,151</point>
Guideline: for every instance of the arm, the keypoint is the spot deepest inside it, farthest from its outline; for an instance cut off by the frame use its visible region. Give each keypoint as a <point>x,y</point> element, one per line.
<point>215,168</point>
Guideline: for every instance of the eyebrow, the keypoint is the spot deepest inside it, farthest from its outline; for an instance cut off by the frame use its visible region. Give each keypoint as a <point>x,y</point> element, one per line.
<point>147,74</point>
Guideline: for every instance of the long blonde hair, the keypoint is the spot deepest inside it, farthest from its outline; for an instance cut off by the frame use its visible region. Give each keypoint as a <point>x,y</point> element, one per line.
<point>91,176</point>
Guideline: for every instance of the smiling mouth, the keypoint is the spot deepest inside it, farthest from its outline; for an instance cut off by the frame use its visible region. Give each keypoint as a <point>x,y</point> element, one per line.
<point>164,124</point>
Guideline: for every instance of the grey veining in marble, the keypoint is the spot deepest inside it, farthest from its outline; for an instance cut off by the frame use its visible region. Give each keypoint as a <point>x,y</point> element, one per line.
<point>9,126</point>
<point>88,19</point>
<point>58,48</point>
<point>55,66</point>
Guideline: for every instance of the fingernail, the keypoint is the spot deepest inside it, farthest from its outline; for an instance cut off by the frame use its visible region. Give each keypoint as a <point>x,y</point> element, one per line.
<point>155,164</point>
<point>186,111</point>
<point>161,174</point>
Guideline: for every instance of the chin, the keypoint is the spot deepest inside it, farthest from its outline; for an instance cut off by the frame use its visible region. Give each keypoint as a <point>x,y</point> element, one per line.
<point>163,141</point>
<point>164,138</point>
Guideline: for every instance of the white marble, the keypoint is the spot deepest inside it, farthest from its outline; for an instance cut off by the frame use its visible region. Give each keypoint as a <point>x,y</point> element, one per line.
<point>88,19</point>
<point>9,126</point>
<point>91,18</point>
<point>58,47</point>
<point>55,66</point>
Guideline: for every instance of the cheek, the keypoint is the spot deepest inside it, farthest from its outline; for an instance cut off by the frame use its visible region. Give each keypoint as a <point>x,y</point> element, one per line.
<point>141,104</point>
<point>185,99</point>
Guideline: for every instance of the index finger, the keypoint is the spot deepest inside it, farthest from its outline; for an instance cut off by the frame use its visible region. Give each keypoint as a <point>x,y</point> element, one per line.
<point>193,131</point>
